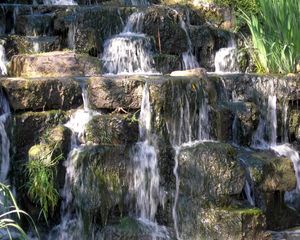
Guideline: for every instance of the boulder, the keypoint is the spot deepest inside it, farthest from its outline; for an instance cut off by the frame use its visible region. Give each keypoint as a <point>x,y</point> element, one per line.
<point>54,64</point>
<point>30,126</point>
<point>42,93</point>
<point>269,172</point>
<point>163,24</point>
<point>100,174</point>
<point>112,129</point>
<point>210,171</point>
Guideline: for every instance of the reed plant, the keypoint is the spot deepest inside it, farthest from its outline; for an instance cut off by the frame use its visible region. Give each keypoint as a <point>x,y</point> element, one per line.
<point>10,213</point>
<point>275,32</point>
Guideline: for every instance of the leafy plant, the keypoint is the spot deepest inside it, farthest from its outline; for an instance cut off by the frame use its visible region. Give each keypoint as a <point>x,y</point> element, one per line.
<point>10,210</point>
<point>41,184</point>
<point>275,35</point>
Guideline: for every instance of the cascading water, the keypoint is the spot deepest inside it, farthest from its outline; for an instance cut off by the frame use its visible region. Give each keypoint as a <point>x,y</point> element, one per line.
<point>130,51</point>
<point>59,2</point>
<point>267,128</point>
<point>226,59</point>
<point>188,59</point>
<point>71,226</point>
<point>180,128</point>
<point>3,69</point>
<point>145,171</point>
<point>5,143</point>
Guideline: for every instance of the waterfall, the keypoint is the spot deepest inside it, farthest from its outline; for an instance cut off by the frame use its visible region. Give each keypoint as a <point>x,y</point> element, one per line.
<point>71,226</point>
<point>59,2</point>
<point>145,171</point>
<point>267,128</point>
<point>5,143</point>
<point>180,126</point>
<point>3,69</point>
<point>188,59</point>
<point>137,2</point>
<point>226,59</point>
<point>130,51</point>
<point>146,176</point>
<point>265,135</point>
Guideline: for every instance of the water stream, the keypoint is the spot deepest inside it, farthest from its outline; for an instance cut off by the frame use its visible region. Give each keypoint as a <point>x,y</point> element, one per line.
<point>130,51</point>
<point>226,59</point>
<point>145,171</point>
<point>188,58</point>
<point>5,143</point>
<point>71,226</point>
<point>3,61</point>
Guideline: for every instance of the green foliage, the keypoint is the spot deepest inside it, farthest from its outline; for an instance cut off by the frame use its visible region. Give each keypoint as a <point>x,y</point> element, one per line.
<point>41,183</point>
<point>249,6</point>
<point>275,35</point>
<point>10,210</point>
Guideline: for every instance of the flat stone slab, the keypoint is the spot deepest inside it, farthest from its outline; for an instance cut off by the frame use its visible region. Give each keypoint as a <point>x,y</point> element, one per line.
<point>42,93</point>
<point>54,64</point>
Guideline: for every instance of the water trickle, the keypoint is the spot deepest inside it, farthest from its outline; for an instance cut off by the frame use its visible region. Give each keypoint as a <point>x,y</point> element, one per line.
<point>284,132</point>
<point>71,226</point>
<point>265,135</point>
<point>188,59</point>
<point>5,143</point>
<point>137,2</point>
<point>3,69</point>
<point>226,59</point>
<point>71,36</point>
<point>130,51</point>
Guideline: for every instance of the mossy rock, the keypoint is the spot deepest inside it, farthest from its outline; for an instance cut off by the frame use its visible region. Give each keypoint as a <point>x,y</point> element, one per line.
<point>268,171</point>
<point>133,229</point>
<point>100,183</point>
<point>112,129</point>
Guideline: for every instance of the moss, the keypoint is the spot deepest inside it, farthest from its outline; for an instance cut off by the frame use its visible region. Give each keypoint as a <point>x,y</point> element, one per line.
<point>244,211</point>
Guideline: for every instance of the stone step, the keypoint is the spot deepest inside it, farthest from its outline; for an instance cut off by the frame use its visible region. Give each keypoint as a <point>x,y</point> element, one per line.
<point>42,93</point>
<point>54,64</point>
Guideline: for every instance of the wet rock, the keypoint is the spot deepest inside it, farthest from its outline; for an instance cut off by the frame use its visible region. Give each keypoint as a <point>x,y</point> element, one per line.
<point>294,126</point>
<point>42,93</point>
<point>165,63</point>
<point>54,64</point>
<point>112,129</point>
<point>35,24</point>
<point>29,127</point>
<point>101,174</point>
<point>15,44</point>
<point>234,224</point>
<point>206,42</point>
<point>114,92</point>
<point>210,170</point>
<point>268,171</point>
<point>90,26</point>
<point>132,229</point>
<point>161,23</point>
